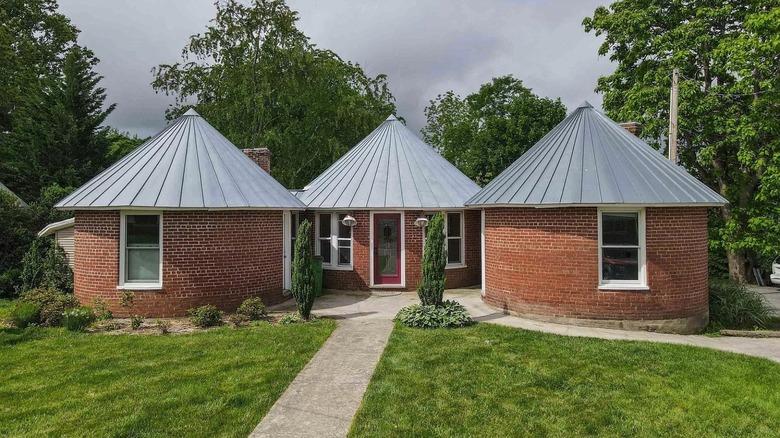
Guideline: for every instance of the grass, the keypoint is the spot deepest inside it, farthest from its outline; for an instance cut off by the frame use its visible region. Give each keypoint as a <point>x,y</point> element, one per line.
<point>488,380</point>
<point>5,309</point>
<point>216,383</point>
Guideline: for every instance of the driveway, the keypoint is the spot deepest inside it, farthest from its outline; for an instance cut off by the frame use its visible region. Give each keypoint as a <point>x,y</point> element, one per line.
<point>771,293</point>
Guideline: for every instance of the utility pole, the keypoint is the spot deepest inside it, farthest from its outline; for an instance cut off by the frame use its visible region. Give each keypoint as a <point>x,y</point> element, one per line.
<point>673,116</point>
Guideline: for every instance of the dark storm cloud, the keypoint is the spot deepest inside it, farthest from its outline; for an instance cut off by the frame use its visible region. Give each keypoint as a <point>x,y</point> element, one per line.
<point>425,47</point>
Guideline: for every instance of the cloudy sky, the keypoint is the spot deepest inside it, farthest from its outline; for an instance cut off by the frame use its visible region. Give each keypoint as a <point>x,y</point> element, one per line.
<point>424,47</point>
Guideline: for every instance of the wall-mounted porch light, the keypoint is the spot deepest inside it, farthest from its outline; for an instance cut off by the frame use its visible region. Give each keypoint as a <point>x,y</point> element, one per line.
<point>349,221</point>
<point>421,222</point>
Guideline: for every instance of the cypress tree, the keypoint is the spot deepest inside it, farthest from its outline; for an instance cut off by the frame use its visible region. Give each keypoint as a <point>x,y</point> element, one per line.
<point>303,273</point>
<point>434,261</point>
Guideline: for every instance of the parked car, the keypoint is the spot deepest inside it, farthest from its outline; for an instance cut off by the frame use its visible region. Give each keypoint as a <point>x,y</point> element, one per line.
<point>775,276</point>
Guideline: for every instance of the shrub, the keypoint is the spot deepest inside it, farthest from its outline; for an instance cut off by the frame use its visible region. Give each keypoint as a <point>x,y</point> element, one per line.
<point>303,272</point>
<point>206,316</point>
<point>237,319</point>
<point>45,265</point>
<point>163,325</point>
<point>9,281</point>
<point>290,319</point>
<point>78,318</point>
<point>100,306</point>
<point>24,314</point>
<point>136,321</point>
<point>52,304</point>
<point>733,306</point>
<point>449,314</point>
<point>252,308</point>
<point>434,262</point>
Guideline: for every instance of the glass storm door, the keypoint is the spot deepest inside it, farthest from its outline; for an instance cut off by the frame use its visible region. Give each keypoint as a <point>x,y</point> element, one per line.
<point>387,249</point>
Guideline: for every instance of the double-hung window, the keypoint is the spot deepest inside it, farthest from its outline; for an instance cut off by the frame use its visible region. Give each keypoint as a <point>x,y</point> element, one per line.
<point>334,241</point>
<point>453,237</point>
<point>621,249</point>
<point>141,250</point>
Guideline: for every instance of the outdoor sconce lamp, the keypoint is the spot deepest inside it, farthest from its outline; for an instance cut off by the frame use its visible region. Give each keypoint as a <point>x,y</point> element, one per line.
<point>349,221</point>
<point>421,222</point>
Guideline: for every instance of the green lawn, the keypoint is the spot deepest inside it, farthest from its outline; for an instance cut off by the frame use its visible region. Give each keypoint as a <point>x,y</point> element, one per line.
<point>494,381</point>
<point>5,309</point>
<point>210,384</point>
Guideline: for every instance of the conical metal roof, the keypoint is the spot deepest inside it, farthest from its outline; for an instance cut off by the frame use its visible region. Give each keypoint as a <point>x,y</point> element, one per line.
<point>588,159</point>
<point>7,190</point>
<point>390,168</point>
<point>188,165</point>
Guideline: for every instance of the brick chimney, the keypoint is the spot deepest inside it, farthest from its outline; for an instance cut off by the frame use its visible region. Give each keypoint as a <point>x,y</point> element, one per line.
<point>261,156</point>
<point>632,127</point>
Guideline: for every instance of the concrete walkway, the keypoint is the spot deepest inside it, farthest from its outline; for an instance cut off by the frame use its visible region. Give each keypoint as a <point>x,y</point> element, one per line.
<point>326,394</point>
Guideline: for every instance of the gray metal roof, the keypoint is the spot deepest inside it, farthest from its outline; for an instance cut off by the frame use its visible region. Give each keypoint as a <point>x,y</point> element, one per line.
<point>391,168</point>
<point>6,189</point>
<point>189,165</point>
<point>589,159</point>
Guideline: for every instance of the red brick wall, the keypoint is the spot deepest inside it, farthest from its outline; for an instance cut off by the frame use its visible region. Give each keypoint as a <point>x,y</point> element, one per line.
<point>545,262</point>
<point>360,277</point>
<point>218,258</point>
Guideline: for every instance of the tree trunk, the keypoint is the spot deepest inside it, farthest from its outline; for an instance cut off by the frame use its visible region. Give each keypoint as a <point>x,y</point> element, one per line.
<point>738,266</point>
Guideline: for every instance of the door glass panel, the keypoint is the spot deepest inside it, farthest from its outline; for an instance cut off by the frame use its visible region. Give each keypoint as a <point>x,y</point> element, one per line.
<point>388,246</point>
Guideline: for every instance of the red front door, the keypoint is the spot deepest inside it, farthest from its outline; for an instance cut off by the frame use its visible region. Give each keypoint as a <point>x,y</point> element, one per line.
<point>387,249</point>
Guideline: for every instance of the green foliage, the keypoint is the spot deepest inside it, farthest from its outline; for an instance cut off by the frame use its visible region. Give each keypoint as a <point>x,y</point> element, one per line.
<point>45,266</point>
<point>136,321</point>
<point>127,300</point>
<point>57,136</point>
<point>434,262</point>
<point>24,314</point>
<point>52,302</point>
<point>238,319</point>
<point>303,272</point>
<point>292,318</point>
<point>15,237</point>
<point>100,307</point>
<point>729,113</point>
<point>252,308</point>
<point>206,316</point>
<point>449,314</point>
<point>163,325</point>
<point>488,130</point>
<point>733,306</point>
<point>78,318</point>
<point>121,144</point>
<point>256,77</point>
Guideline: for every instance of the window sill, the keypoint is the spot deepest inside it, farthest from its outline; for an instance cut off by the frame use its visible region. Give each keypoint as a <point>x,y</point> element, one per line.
<point>456,266</point>
<point>337,268</point>
<point>625,287</point>
<point>139,286</point>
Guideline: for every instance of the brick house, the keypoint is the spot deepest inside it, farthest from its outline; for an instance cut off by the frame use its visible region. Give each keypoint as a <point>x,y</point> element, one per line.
<point>184,220</point>
<point>592,226</point>
<point>369,210</point>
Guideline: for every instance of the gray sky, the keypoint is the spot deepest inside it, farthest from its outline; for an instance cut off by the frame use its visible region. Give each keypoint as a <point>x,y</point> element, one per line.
<point>424,47</point>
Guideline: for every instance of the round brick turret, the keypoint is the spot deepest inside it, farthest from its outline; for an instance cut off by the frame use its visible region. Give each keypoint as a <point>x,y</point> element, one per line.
<point>542,263</point>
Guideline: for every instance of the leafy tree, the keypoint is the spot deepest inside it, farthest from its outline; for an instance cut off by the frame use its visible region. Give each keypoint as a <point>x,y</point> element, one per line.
<point>57,137</point>
<point>33,40</point>
<point>45,266</point>
<point>121,144</point>
<point>729,113</point>
<point>303,272</point>
<point>434,262</point>
<point>488,130</point>
<point>260,82</point>
<point>15,237</point>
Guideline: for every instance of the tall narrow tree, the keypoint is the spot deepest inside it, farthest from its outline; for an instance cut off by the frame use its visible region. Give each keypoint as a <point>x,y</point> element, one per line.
<point>434,262</point>
<point>303,272</point>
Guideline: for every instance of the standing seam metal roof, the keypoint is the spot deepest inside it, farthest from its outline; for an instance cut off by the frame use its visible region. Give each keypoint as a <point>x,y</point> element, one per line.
<point>18,199</point>
<point>588,159</point>
<point>390,168</point>
<point>188,165</point>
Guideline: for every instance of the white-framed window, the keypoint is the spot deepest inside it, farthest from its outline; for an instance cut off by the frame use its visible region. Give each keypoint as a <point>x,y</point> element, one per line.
<point>334,241</point>
<point>622,261</point>
<point>453,237</point>
<point>140,252</point>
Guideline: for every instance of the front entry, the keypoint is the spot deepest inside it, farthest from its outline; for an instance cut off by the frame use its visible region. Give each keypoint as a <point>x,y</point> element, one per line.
<point>387,249</point>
